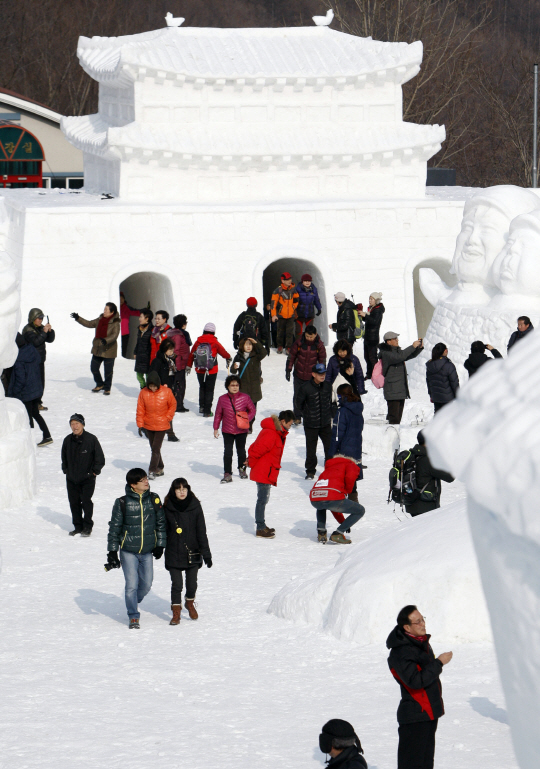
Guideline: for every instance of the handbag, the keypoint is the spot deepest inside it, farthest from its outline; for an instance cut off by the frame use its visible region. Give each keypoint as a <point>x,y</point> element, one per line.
<point>242,419</point>
<point>194,557</point>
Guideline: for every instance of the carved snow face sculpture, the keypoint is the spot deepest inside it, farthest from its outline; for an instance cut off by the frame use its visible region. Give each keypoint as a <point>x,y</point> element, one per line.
<point>517,268</point>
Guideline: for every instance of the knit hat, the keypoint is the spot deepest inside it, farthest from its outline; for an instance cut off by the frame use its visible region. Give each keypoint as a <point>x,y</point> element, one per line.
<point>319,368</point>
<point>340,296</point>
<point>390,335</point>
<point>286,276</point>
<point>306,277</point>
<point>251,302</point>
<point>337,729</point>
<point>77,418</point>
<point>153,379</point>
<point>376,295</point>
<point>210,327</point>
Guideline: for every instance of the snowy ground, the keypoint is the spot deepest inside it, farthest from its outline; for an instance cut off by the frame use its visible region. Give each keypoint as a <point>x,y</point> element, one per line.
<point>238,688</point>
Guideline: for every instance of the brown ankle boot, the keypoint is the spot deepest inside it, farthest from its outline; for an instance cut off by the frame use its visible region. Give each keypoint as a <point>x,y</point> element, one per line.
<point>176,609</point>
<point>190,606</point>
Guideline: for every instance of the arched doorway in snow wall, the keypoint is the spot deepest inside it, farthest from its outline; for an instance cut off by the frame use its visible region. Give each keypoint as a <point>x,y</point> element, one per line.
<point>423,309</point>
<point>297,267</point>
<point>141,288</point>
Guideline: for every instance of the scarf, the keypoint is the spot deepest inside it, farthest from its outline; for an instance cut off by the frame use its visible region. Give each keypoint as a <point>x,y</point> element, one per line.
<point>103,327</point>
<point>421,638</point>
<point>181,504</point>
<point>171,364</point>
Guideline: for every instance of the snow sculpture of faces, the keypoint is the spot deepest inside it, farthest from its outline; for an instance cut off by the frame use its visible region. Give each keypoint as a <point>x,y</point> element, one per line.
<point>486,220</point>
<point>516,270</point>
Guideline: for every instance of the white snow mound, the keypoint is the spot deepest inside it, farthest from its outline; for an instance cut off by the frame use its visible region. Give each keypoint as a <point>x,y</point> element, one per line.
<point>428,561</point>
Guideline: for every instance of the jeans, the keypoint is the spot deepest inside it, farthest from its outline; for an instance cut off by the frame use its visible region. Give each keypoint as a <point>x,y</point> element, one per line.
<point>395,411</point>
<point>207,383</point>
<point>141,380</point>
<point>263,495</point>
<point>138,571</point>
<point>80,501</point>
<point>312,436</point>
<point>416,749</point>
<point>370,356</point>
<point>229,439</point>
<point>155,438</point>
<point>353,510</point>
<point>108,365</point>
<point>32,408</point>
<point>177,584</point>
<point>285,332</point>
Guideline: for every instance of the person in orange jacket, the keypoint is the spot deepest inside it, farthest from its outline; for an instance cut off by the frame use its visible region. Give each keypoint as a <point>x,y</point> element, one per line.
<point>156,408</point>
<point>330,491</point>
<point>204,353</point>
<point>284,303</point>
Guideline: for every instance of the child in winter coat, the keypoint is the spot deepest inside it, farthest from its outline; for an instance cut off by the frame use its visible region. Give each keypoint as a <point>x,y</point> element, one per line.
<point>231,408</point>
<point>207,376</point>
<point>335,483</point>
<point>156,407</point>
<point>187,545</point>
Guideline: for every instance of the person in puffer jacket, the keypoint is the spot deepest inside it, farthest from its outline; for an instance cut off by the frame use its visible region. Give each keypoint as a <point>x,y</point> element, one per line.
<point>137,529</point>
<point>441,377</point>
<point>207,377</point>
<point>314,402</point>
<point>308,302</point>
<point>331,490</point>
<point>477,358</point>
<point>306,351</point>
<point>156,407</point>
<point>228,407</point>
<point>26,385</point>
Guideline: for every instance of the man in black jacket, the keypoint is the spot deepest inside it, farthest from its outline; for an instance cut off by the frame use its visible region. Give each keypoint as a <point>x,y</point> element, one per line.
<point>39,335</point>
<point>524,327</point>
<point>251,324</point>
<point>82,460</point>
<point>413,665</point>
<point>345,321</point>
<point>314,402</point>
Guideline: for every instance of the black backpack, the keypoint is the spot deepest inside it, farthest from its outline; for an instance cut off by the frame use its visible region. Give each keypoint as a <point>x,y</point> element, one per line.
<point>402,481</point>
<point>250,328</point>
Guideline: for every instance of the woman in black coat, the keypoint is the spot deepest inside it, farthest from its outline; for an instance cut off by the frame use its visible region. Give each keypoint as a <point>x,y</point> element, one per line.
<point>165,365</point>
<point>187,545</point>
<point>142,348</point>
<point>441,377</point>
<point>372,319</point>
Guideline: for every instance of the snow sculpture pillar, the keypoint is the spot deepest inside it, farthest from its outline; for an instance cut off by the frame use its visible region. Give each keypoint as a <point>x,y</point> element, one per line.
<point>489,439</point>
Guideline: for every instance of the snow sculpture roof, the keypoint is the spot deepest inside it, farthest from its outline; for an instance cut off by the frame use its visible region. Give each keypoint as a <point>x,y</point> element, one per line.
<point>233,54</point>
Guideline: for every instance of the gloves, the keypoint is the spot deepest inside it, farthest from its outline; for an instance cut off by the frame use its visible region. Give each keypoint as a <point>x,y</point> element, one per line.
<point>208,562</point>
<point>75,315</point>
<point>113,560</point>
<point>157,552</point>
<point>229,361</point>
<point>103,341</point>
<point>318,313</point>
<point>188,370</point>
<point>288,376</point>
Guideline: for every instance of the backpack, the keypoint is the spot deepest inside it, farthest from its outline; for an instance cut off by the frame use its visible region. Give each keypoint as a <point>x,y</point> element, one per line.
<point>377,377</point>
<point>359,326</point>
<point>203,357</point>
<point>402,481</point>
<point>250,328</point>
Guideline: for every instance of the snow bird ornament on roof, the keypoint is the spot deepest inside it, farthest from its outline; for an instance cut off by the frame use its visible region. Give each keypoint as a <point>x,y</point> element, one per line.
<point>173,21</point>
<point>323,21</point>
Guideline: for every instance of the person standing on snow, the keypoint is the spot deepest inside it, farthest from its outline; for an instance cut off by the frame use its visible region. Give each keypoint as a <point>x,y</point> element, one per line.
<point>264,460</point>
<point>204,354</point>
<point>308,302</point>
<point>126,312</point>
<point>82,461</point>
<point>413,665</point>
<point>104,346</point>
<point>346,321</point>
<point>165,366</point>
<point>247,365</point>
<point>187,545</point>
<point>339,740</point>
<point>477,358</point>
<point>284,304</point>
<point>396,385</point>
<point>25,385</point>
<point>156,408</point>
<point>306,351</point>
<point>441,377</point>
<point>331,490</point>
<point>250,324</point>
<point>39,336</point>
<point>142,352</point>
<point>180,337</point>
<point>428,479</point>
<point>339,364</point>
<point>524,327</point>
<point>159,332</point>
<point>235,410</point>
<point>314,401</point>
<point>372,320</point>
<point>137,528</point>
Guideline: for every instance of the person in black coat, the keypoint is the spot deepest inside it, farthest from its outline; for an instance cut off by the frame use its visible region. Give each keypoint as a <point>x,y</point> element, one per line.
<point>524,327</point>
<point>441,377</point>
<point>187,545</point>
<point>26,385</point>
<point>413,665</point>
<point>372,320</point>
<point>339,740</point>
<point>314,401</point>
<point>256,326</point>
<point>477,358</point>
<point>164,364</point>
<point>345,320</point>
<point>39,335</point>
<point>142,352</point>
<point>427,478</point>
<point>82,461</point>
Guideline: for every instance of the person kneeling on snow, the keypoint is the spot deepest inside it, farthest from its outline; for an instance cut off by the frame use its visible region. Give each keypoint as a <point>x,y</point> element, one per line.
<point>428,479</point>
<point>339,739</point>
<point>330,491</point>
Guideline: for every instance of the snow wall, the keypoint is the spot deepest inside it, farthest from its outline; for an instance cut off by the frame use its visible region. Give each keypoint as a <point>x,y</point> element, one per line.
<point>490,439</point>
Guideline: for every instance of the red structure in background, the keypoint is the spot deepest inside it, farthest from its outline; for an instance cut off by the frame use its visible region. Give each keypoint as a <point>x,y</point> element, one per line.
<point>21,157</point>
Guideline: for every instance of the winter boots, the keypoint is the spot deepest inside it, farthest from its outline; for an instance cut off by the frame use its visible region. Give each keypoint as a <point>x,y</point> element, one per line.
<point>190,606</point>
<point>266,533</point>
<point>339,538</point>
<point>176,609</point>
<point>227,478</point>
<point>134,624</point>
<point>322,536</point>
<point>242,472</point>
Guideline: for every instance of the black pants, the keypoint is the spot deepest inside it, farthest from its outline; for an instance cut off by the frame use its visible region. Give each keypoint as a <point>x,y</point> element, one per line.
<point>229,439</point>
<point>285,332</point>
<point>416,749</point>
<point>180,388</point>
<point>108,365</point>
<point>125,342</point>
<point>207,383</point>
<point>297,384</point>
<point>32,408</point>
<point>42,375</point>
<point>177,584</point>
<point>370,356</point>
<point>437,406</point>
<point>80,501</point>
<point>155,438</point>
<point>312,436</point>
<point>395,411</point>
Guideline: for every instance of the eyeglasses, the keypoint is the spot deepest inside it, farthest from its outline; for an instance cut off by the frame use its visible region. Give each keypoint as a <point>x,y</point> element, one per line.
<point>421,621</point>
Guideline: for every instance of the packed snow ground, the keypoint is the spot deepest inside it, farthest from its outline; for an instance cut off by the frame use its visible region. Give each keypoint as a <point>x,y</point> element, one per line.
<point>238,688</point>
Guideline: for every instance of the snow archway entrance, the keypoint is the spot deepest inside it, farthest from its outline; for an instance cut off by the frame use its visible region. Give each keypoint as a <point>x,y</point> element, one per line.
<point>141,288</point>
<point>297,267</point>
<point>423,309</point>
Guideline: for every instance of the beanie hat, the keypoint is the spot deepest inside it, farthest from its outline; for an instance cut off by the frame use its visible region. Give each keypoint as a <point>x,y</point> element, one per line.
<point>286,275</point>
<point>340,296</point>
<point>338,730</point>
<point>77,418</point>
<point>251,302</point>
<point>153,378</point>
<point>211,327</point>
<point>306,277</point>
<point>376,295</point>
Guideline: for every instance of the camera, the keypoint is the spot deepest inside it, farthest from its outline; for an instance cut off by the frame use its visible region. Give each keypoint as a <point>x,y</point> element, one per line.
<point>108,566</point>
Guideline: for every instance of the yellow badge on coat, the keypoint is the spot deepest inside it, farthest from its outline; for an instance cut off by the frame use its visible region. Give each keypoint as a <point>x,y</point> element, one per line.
<point>157,501</point>
<point>179,530</point>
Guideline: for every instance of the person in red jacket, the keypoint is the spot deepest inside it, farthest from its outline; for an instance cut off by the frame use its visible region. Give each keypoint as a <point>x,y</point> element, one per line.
<point>181,351</point>
<point>264,459</point>
<point>155,411</point>
<point>206,366</point>
<point>306,351</point>
<point>159,332</point>
<point>330,491</point>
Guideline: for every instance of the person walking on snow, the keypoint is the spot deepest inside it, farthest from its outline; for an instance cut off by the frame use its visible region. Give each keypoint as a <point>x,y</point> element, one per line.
<point>314,400</point>
<point>306,351</point>
<point>39,336</point>
<point>441,377</point>
<point>234,411</point>
<point>284,304</point>
<point>126,312</point>
<point>25,384</point>
<point>417,671</point>
<point>82,461</point>
<point>308,302</point>
<point>264,460</point>
<point>331,490</point>
<point>204,354</point>
<point>345,322</point>
<point>156,407</point>
<point>104,346</point>
<point>180,337</point>
<point>247,364</point>
<point>396,385</point>
<point>372,320</point>
<point>250,324</point>
<point>142,352</point>
<point>159,332</point>
<point>339,740</point>
<point>164,365</point>
<point>137,528</point>
<point>187,546</point>
<point>477,358</point>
